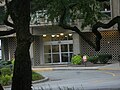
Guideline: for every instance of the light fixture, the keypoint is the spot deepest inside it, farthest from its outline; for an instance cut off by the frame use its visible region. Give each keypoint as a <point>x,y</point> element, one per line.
<point>53,35</point>
<point>44,35</point>
<point>57,35</point>
<point>70,34</point>
<point>61,34</point>
<point>105,9</point>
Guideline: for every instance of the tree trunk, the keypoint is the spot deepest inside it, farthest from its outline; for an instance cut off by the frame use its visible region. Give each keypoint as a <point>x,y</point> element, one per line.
<point>22,75</point>
<point>22,68</point>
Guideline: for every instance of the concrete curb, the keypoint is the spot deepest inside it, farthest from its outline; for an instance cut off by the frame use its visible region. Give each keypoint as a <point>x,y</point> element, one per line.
<point>42,69</point>
<point>64,68</point>
<point>39,81</point>
<point>108,69</point>
<point>76,68</point>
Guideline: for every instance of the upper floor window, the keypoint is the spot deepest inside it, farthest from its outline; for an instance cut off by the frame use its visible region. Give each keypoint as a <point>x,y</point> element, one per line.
<point>39,18</point>
<point>105,8</point>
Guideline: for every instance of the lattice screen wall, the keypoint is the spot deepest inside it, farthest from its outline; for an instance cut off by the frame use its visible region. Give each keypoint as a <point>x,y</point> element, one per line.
<point>12,47</point>
<point>36,50</point>
<point>5,54</point>
<point>110,44</point>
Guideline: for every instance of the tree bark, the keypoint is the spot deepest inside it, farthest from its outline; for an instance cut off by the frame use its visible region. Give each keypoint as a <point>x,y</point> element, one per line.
<point>64,25</point>
<point>22,75</point>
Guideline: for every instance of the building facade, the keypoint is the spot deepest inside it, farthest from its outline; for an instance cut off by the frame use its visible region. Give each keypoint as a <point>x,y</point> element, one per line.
<point>54,45</point>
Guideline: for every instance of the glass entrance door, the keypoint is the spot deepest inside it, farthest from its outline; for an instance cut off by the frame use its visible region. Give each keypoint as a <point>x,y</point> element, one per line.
<point>55,54</point>
<point>58,52</point>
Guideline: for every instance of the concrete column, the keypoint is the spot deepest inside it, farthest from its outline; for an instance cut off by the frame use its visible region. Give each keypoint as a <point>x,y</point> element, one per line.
<point>41,51</point>
<point>115,8</point>
<point>76,43</point>
<point>36,50</point>
<point>31,54</point>
<point>38,56</point>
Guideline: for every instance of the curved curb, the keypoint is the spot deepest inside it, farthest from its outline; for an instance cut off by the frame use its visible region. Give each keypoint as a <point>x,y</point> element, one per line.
<point>39,81</point>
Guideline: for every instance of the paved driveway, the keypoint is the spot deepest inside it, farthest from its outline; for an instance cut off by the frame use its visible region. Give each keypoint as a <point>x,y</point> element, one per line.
<point>80,80</point>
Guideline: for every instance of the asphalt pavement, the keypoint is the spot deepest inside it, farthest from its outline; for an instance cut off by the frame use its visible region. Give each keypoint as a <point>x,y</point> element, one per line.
<point>59,77</point>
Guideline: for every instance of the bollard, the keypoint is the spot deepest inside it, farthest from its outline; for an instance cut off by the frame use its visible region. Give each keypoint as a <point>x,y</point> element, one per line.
<point>85,60</point>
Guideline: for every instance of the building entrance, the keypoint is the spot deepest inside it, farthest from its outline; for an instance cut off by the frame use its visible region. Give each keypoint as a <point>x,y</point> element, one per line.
<point>58,51</point>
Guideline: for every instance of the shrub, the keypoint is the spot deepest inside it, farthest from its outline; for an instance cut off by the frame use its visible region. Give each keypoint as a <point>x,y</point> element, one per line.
<point>6,71</point>
<point>93,59</point>
<point>104,58</point>
<point>76,59</point>
<point>36,76</point>
<point>5,80</point>
<point>4,63</point>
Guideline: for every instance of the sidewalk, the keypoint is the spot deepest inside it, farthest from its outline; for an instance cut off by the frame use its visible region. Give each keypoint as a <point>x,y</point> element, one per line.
<point>114,66</point>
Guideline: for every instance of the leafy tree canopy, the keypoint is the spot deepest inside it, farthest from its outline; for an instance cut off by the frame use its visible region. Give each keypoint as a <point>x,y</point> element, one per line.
<point>67,11</point>
<point>89,10</point>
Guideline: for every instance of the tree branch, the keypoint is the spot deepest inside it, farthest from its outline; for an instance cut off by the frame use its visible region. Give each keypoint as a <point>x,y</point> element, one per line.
<point>6,22</point>
<point>101,0</point>
<point>4,33</point>
<point>105,26</point>
<point>80,33</point>
<point>64,25</point>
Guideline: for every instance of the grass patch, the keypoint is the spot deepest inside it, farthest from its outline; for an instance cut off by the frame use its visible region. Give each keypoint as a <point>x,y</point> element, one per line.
<point>36,76</point>
<point>6,78</point>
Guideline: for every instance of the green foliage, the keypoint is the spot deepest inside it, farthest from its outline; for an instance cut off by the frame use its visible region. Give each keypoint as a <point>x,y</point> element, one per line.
<point>6,64</point>
<point>12,61</point>
<point>2,13</point>
<point>93,59</point>
<point>76,59</point>
<point>88,10</point>
<point>104,58</point>
<point>2,63</point>
<point>5,80</point>
<point>36,76</point>
<point>6,76</point>
<point>6,71</point>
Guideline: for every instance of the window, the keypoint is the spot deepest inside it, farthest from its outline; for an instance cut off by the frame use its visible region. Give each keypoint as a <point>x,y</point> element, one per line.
<point>105,8</point>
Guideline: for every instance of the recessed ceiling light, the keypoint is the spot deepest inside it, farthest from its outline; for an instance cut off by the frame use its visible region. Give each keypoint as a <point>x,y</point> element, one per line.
<point>70,34</point>
<point>53,35</point>
<point>61,34</point>
<point>44,35</point>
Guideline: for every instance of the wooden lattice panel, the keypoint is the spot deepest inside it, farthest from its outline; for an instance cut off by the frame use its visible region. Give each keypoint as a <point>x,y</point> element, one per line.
<point>4,48</point>
<point>36,47</point>
<point>12,46</point>
<point>110,44</point>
